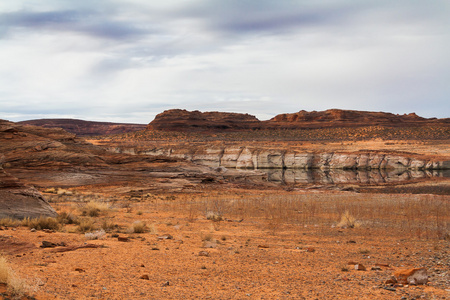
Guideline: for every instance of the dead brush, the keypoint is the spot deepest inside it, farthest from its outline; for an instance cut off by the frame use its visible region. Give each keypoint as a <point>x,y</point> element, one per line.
<point>42,223</point>
<point>17,286</point>
<point>9,222</point>
<point>348,221</point>
<point>213,216</point>
<point>67,218</point>
<point>86,225</point>
<point>95,208</point>
<point>138,227</point>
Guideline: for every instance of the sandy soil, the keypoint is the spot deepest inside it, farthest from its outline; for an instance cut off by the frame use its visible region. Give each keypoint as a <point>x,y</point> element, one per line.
<point>183,255</point>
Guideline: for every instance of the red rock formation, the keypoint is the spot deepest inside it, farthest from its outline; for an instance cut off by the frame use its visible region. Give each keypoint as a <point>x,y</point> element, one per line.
<point>85,128</point>
<point>183,120</point>
<point>347,118</point>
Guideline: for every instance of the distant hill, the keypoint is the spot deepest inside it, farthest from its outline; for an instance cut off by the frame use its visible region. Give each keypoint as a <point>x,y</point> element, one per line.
<point>85,128</point>
<point>183,120</point>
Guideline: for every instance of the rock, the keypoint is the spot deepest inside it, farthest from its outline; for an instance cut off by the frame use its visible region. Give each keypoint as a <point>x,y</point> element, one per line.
<point>263,246</point>
<point>80,270</point>
<point>183,120</point>
<point>165,284</point>
<point>203,253</point>
<point>19,201</point>
<point>414,276</point>
<point>122,239</point>
<point>165,237</point>
<point>360,267</point>
<point>144,277</point>
<point>85,128</point>
<point>310,249</point>
<point>46,244</point>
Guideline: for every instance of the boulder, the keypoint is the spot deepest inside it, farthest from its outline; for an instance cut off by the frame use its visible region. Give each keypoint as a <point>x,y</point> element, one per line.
<point>412,276</point>
<point>19,201</point>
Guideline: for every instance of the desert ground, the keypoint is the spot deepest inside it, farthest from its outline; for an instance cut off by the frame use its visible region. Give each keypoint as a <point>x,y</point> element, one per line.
<point>235,244</point>
<point>134,226</point>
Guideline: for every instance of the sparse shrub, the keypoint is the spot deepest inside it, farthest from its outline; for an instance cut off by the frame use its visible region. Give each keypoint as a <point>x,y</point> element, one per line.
<point>42,223</point>
<point>108,225</point>
<point>94,208</point>
<point>139,227</point>
<point>152,229</point>
<point>15,285</point>
<point>86,225</point>
<point>208,238</point>
<point>9,222</point>
<point>348,221</point>
<point>67,218</point>
<point>213,216</point>
<point>96,235</point>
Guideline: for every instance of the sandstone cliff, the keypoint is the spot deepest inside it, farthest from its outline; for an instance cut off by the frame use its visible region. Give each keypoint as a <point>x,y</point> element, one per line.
<point>85,128</point>
<point>258,158</point>
<point>183,120</point>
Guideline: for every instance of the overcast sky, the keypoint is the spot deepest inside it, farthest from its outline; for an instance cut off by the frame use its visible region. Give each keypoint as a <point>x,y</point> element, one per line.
<point>128,60</point>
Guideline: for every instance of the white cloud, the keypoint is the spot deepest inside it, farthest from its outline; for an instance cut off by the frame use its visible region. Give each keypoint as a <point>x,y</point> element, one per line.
<point>127,61</point>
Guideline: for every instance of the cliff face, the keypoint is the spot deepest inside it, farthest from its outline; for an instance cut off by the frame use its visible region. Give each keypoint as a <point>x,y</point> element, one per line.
<point>85,128</point>
<point>255,158</point>
<point>183,120</point>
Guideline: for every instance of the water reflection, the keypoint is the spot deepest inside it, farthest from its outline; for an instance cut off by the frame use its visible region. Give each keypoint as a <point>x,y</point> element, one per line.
<point>301,176</point>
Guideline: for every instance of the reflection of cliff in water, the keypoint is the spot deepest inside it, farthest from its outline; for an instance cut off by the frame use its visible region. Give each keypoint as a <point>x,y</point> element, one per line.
<point>339,176</point>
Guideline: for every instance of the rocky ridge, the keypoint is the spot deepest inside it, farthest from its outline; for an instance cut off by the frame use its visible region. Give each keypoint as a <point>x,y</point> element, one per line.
<point>258,158</point>
<point>183,120</point>
<point>85,128</point>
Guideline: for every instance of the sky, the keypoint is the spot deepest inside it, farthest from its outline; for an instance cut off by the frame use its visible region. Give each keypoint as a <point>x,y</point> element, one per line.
<point>128,60</point>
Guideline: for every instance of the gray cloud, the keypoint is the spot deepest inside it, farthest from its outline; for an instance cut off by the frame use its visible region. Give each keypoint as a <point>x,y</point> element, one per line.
<point>133,59</point>
<point>91,23</point>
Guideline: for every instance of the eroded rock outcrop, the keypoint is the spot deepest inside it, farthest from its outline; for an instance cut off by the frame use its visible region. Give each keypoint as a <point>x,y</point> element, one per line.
<point>255,158</point>
<point>20,201</point>
<point>183,120</point>
<point>86,128</point>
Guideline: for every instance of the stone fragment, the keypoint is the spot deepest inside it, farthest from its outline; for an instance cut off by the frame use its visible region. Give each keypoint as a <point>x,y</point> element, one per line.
<point>413,276</point>
<point>360,267</point>
<point>165,284</point>
<point>165,237</point>
<point>47,244</point>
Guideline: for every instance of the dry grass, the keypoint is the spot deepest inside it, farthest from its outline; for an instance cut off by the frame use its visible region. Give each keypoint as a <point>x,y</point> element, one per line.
<point>348,221</point>
<point>10,222</point>
<point>67,218</point>
<point>86,225</point>
<point>96,235</point>
<point>95,208</point>
<point>16,286</point>
<point>138,227</point>
<point>423,216</point>
<point>42,223</point>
